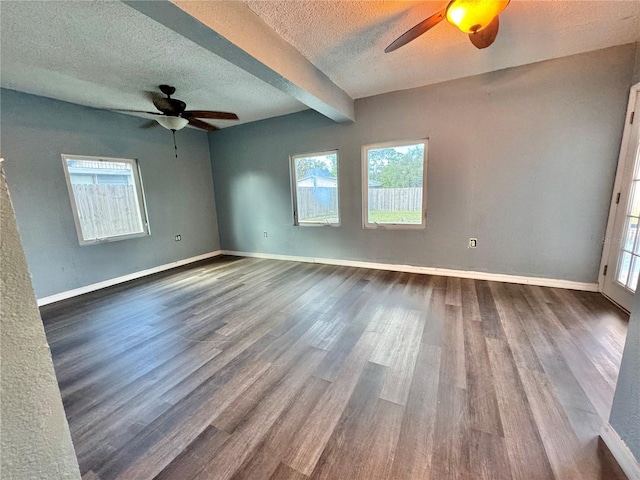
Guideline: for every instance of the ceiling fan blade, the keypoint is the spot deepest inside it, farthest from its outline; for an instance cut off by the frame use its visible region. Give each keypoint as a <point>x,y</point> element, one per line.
<point>486,36</point>
<point>210,114</point>
<point>203,125</point>
<point>416,31</point>
<point>149,124</point>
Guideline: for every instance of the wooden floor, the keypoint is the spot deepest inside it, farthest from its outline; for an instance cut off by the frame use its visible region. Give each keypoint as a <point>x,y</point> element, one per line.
<point>261,369</point>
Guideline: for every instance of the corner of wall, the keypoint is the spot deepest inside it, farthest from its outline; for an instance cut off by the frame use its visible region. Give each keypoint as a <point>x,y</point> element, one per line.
<point>219,236</point>
<point>625,412</point>
<point>213,187</point>
<point>35,441</point>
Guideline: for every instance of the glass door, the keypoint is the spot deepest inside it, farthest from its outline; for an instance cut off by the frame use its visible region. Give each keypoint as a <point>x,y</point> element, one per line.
<point>623,262</point>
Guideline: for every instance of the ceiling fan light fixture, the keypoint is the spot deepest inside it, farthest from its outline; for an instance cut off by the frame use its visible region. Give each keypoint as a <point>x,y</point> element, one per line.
<point>172,123</point>
<point>471,16</point>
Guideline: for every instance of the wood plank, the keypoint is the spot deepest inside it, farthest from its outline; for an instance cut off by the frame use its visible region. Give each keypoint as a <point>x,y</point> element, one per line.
<point>561,444</point>
<point>454,292</point>
<point>392,321</point>
<point>381,445</point>
<point>169,435</point>
<point>285,472</point>
<point>578,320</point>
<point>453,369</point>
<point>511,320</point>
<point>316,432</point>
<point>527,456</point>
<point>565,384</point>
<point>491,323</point>
<point>484,413</point>
<point>450,457</point>
<point>435,322</point>
<point>104,428</point>
<point>600,392</point>
<point>346,448</point>
<point>250,433</point>
<point>360,315</point>
<point>196,456</point>
<point>401,368</point>
<point>283,357</point>
<point>488,458</point>
<point>157,381</point>
<point>416,443</point>
<point>469,297</point>
<point>281,435</point>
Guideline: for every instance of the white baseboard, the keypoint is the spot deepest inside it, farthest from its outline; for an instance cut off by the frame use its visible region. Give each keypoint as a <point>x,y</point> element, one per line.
<point>125,278</point>
<point>445,272</point>
<point>628,463</point>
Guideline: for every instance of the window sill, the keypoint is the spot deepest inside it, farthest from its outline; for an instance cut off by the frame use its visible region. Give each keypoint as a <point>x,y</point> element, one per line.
<point>394,226</point>
<point>85,243</point>
<point>317,225</point>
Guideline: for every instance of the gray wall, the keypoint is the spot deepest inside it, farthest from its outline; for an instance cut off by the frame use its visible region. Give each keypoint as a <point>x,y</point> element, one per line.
<point>625,413</point>
<point>524,159</point>
<point>35,442</point>
<point>179,193</point>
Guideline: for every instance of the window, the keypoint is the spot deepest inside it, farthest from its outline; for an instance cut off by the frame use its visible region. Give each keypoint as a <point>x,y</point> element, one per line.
<point>314,178</point>
<point>629,260</point>
<point>106,198</point>
<point>394,181</point>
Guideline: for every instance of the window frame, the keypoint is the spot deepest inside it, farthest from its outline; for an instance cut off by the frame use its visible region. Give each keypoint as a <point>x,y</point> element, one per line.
<point>365,185</point>
<point>142,204</point>
<point>294,188</point>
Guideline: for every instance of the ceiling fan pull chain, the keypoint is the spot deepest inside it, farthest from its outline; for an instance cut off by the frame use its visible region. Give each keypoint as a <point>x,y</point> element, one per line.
<point>175,147</point>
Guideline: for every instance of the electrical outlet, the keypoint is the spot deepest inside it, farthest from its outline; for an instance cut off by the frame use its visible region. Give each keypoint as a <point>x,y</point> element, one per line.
<point>473,242</point>
<point>265,234</point>
<point>178,238</point>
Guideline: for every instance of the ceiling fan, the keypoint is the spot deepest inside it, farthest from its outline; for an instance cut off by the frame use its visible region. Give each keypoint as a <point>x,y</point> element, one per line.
<point>173,115</point>
<point>478,18</point>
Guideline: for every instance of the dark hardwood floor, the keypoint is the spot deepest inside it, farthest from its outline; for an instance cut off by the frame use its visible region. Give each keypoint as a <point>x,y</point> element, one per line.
<point>259,369</point>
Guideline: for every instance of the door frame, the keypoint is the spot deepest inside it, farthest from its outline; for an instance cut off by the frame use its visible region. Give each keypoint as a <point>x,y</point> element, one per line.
<point>617,185</point>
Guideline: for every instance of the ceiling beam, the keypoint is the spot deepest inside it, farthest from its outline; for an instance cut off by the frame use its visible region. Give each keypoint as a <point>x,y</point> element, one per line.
<point>231,30</point>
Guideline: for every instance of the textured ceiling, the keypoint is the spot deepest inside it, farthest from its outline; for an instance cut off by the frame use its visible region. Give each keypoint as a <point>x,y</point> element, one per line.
<point>106,55</point>
<point>346,39</point>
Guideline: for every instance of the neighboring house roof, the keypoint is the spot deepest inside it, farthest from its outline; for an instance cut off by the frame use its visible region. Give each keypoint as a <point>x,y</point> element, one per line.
<point>320,181</point>
<point>103,176</point>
